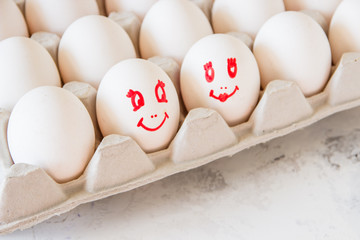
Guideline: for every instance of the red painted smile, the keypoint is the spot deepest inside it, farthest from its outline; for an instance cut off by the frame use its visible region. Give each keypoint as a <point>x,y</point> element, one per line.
<point>223,96</point>
<point>140,124</point>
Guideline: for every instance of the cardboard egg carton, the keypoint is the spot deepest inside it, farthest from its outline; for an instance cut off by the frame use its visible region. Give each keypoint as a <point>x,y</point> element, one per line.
<point>29,196</point>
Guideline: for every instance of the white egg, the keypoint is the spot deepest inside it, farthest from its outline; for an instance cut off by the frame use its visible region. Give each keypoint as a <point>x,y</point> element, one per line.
<point>292,46</point>
<point>50,128</point>
<point>136,98</point>
<point>139,7</point>
<point>171,27</point>
<point>325,7</point>
<point>243,15</point>
<point>220,72</point>
<point>56,15</point>
<point>90,47</point>
<point>24,65</point>
<point>344,31</point>
<point>12,22</point>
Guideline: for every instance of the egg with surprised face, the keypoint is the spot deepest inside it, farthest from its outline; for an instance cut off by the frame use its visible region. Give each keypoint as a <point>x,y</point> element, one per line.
<point>136,98</point>
<point>220,72</point>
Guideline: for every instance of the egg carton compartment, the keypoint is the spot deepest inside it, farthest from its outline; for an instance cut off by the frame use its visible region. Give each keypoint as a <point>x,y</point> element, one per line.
<point>29,196</point>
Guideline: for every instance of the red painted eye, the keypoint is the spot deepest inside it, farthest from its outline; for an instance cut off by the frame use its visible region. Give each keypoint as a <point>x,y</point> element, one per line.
<point>160,92</point>
<point>209,72</point>
<point>137,99</point>
<point>232,67</point>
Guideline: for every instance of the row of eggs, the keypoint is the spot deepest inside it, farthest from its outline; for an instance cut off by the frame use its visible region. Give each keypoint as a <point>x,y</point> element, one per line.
<point>245,16</point>
<point>137,98</point>
<point>171,28</point>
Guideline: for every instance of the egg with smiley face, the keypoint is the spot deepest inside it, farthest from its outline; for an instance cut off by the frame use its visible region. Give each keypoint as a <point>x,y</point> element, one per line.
<point>220,72</point>
<point>136,98</point>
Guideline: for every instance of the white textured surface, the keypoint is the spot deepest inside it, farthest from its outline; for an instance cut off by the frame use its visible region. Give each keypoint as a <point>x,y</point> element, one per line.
<point>302,186</point>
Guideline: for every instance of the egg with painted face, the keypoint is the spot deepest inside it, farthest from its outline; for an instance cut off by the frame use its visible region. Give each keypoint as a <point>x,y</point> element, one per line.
<point>220,72</point>
<point>136,98</point>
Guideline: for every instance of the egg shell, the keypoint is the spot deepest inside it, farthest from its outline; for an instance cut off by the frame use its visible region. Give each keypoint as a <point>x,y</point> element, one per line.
<point>325,7</point>
<point>293,46</point>
<point>50,41</point>
<point>245,38</point>
<point>50,128</point>
<point>171,27</point>
<point>12,22</point>
<point>56,15</point>
<point>152,125</point>
<point>243,15</point>
<point>344,31</point>
<point>241,90</point>
<point>21,5</point>
<point>139,7</point>
<point>20,72</point>
<point>90,47</point>
<point>205,6</point>
<point>319,18</point>
<point>101,5</point>
<point>131,24</point>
